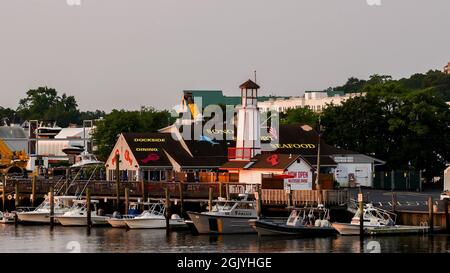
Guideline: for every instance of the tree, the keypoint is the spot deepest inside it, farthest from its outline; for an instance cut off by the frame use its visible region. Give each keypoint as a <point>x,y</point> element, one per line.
<point>8,116</point>
<point>405,128</point>
<point>353,85</point>
<point>45,104</point>
<point>121,121</point>
<point>299,115</point>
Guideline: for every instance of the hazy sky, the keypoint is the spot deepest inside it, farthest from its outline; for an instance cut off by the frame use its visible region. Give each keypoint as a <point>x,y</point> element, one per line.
<point>127,53</point>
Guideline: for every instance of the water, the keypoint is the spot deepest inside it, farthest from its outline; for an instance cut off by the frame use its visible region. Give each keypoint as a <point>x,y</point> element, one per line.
<point>75,239</point>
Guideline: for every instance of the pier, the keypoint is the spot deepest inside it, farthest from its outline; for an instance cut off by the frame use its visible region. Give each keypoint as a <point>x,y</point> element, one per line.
<point>178,191</point>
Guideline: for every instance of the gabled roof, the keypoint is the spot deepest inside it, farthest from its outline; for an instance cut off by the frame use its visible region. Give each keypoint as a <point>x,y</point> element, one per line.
<point>148,148</point>
<point>266,161</point>
<point>273,161</point>
<point>249,85</point>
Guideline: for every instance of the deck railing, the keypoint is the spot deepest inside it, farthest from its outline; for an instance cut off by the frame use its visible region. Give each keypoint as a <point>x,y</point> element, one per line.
<point>189,190</point>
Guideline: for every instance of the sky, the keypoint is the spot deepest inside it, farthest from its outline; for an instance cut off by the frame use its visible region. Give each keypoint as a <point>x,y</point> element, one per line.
<point>125,54</point>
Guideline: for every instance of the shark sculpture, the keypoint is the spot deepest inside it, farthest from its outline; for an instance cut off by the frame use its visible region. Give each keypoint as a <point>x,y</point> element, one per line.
<point>209,140</point>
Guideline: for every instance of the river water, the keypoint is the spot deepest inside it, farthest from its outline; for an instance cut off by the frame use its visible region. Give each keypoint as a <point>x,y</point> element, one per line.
<point>76,239</point>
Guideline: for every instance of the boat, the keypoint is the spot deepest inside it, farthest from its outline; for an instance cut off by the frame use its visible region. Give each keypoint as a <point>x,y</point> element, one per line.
<point>118,221</point>
<point>41,215</point>
<point>86,159</point>
<point>154,217</point>
<point>77,215</point>
<point>302,222</point>
<point>376,221</point>
<point>48,130</point>
<point>7,217</point>
<point>226,217</point>
<point>73,150</point>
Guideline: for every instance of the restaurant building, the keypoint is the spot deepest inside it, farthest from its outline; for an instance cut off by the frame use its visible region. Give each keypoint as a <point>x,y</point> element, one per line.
<point>241,153</point>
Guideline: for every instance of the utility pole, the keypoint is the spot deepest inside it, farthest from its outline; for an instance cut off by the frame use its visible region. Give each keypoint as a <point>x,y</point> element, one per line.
<point>317,182</point>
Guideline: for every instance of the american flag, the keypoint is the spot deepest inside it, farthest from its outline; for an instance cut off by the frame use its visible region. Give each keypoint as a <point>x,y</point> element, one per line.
<point>273,132</point>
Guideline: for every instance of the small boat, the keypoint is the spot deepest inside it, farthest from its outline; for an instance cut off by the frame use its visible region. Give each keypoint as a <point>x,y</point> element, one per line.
<point>303,222</point>
<point>41,215</point>
<point>73,150</point>
<point>47,130</point>
<point>376,221</point>
<point>7,217</point>
<point>77,215</point>
<point>226,217</point>
<point>118,221</point>
<point>154,217</point>
<point>86,159</point>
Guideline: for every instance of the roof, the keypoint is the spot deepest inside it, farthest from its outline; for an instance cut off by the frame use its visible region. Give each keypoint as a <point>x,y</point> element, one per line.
<point>14,137</point>
<point>249,85</point>
<point>273,161</point>
<point>302,139</point>
<point>72,133</point>
<point>12,132</point>
<point>216,97</point>
<point>325,161</point>
<point>149,149</point>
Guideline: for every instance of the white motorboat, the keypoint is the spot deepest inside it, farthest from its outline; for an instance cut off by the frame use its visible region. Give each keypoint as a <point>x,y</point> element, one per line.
<point>7,217</point>
<point>118,221</point>
<point>226,216</point>
<point>77,215</point>
<point>154,217</point>
<point>86,159</point>
<point>41,215</point>
<point>376,221</point>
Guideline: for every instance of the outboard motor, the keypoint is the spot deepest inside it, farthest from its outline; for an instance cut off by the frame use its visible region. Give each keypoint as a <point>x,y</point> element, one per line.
<point>117,215</point>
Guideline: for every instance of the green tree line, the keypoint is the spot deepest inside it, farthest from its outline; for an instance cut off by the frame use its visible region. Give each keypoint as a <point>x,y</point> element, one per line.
<point>405,122</point>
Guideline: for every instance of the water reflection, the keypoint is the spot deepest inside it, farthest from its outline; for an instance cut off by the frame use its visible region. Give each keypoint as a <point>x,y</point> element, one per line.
<point>41,239</point>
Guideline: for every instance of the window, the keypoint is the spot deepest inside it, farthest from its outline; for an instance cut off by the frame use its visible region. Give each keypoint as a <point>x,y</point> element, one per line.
<point>155,176</point>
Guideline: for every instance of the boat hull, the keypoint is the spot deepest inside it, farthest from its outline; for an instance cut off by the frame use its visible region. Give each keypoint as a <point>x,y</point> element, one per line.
<point>36,218</point>
<point>265,228</point>
<point>349,229</point>
<point>146,223</point>
<point>82,220</point>
<point>117,223</point>
<point>219,224</point>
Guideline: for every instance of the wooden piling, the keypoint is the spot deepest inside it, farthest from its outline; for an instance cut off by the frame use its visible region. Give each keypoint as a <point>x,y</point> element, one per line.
<point>210,197</point>
<point>180,189</point>
<point>447,218</point>
<point>3,192</point>
<point>361,214</point>
<point>430,214</point>
<point>17,199</point>
<point>143,190</point>
<point>52,207</point>
<point>88,207</point>
<point>227,191</point>
<point>394,202</point>
<point>259,210</point>
<point>167,212</point>
<point>220,189</point>
<point>127,200</point>
<point>33,190</point>
<point>117,181</point>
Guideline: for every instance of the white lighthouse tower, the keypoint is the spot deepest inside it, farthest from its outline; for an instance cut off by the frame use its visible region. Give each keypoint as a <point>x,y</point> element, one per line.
<point>248,142</point>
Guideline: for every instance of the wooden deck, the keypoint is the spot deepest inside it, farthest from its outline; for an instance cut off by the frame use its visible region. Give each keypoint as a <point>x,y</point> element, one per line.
<point>177,190</point>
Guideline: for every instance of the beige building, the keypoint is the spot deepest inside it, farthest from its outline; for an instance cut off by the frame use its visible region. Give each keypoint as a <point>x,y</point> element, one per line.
<point>447,69</point>
<point>315,100</point>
